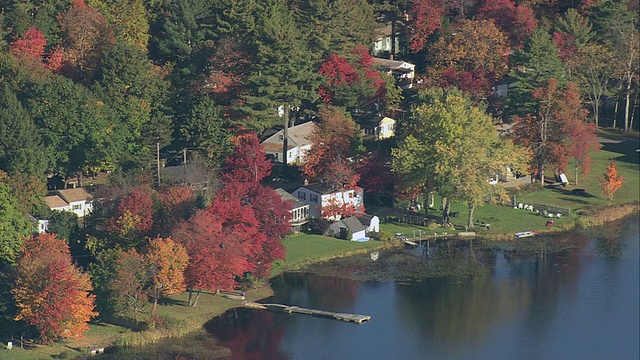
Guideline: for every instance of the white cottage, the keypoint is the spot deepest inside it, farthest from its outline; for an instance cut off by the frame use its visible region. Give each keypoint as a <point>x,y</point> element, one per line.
<point>77,200</point>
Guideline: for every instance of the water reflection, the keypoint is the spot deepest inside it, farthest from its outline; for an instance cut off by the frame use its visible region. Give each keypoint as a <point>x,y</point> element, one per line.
<point>570,296</point>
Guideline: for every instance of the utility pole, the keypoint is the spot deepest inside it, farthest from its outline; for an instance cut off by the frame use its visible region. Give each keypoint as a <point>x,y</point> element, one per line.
<point>158,159</point>
<point>184,161</point>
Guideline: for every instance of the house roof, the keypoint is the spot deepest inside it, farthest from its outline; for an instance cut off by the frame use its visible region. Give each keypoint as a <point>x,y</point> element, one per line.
<point>298,136</point>
<point>373,122</point>
<point>353,224</point>
<point>287,197</point>
<point>396,65</point>
<point>320,188</point>
<point>384,31</point>
<point>72,195</point>
<point>55,202</point>
<point>365,219</point>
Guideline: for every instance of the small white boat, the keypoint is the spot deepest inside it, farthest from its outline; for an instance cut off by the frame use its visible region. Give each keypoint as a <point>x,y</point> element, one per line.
<point>409,242</point>
<point>524,234</point>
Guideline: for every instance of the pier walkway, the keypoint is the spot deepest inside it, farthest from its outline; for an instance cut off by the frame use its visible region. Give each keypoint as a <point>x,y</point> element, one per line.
<point>359,319</point>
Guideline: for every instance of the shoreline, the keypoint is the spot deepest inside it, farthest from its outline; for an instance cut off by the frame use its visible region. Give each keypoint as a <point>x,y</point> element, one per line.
<point>193,321</point>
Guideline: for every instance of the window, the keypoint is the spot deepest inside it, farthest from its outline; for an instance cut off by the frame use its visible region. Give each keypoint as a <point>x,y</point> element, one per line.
<point>313,198</point>
<point>281,137</point>
<point>302,196</point>
<point>77,207</point>
<point>350,194</point>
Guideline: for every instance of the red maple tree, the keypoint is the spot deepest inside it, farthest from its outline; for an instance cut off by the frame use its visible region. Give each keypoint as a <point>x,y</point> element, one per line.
<point>134,214</point>
<point>350,79</point>
<point>248,163</point>
<point>518,21</point>
<point>50,292</point>
<point>30,44</point>
<point>425,18</point>
<point>272,214</point>
<point>473,82</point>
<point>218,250</point>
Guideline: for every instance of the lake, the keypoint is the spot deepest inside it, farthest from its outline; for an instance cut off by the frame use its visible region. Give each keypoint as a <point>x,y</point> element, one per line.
<point>572,296</point>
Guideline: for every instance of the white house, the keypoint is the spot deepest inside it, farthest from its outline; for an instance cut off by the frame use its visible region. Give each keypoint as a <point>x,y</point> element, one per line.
<point>320,196</point>
<point>299,211</point>
<point>297,145</point>
<point>402,71</point>
<point>348,229</point>
<point>77,200</point>
<point>39,225</point>
<point>380,128</point>
<point>371,223</point>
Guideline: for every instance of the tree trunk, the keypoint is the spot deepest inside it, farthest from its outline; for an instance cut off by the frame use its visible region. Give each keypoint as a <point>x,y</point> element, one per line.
<point>626,106</point>
<point>155,304</point>
<point>190,297</point>
<point>445,212</point>
<point>80,179</point>
<point>433,199</point>
<point>542,177</point>
<point>195,301</point>
<point>470,222</point>
<point>615,112</point>
<point>575,170</point>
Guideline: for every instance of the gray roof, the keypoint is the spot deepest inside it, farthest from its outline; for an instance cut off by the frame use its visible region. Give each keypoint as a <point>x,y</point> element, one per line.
<point>365,219</point>
<point>298,135</point>
<point>287,197</point>
<point>353,224</point>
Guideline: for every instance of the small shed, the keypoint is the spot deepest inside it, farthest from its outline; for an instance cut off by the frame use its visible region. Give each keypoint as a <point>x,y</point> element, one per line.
<point>371,223</point>
<point>348,229</point>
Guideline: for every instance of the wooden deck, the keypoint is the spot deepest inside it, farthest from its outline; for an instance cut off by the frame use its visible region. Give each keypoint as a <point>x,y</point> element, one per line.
<point>359,319</point>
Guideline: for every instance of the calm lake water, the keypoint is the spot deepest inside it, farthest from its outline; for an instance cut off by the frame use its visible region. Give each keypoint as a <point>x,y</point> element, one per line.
<point>574,296</point>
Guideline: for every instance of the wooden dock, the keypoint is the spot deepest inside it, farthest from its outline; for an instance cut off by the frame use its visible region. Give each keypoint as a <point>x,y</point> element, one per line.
<point>359,319</point>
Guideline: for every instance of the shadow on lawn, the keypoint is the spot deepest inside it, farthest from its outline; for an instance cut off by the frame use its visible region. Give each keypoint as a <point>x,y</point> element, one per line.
<point>626,149</point>
<point>574,193</point>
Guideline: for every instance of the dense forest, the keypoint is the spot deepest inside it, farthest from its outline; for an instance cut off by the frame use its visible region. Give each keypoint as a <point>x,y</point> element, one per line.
<point>96,86</point>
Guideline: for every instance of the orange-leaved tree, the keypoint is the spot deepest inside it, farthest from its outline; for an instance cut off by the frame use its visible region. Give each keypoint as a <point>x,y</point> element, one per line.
<point>167,261</point>
<point>611,181</point>
<point>50,292</point>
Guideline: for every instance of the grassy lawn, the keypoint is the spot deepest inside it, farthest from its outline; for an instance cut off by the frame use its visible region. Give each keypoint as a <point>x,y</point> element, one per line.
<point>304,249</point>
<point>504,219</point>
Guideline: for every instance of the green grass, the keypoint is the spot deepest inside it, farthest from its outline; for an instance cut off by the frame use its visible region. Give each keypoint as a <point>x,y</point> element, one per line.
<point>505,219</point>
<point>304,249</point>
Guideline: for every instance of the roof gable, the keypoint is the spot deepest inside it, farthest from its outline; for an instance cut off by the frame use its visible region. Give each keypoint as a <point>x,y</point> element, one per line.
<point>55,202</point>
<point>298,135</point>
<point>353,224</point>
<point>73,195</point>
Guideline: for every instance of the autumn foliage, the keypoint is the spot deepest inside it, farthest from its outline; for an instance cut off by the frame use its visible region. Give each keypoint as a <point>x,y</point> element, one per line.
<point>425,18</point>
<point>134,214</point>
<point>611,181</point>
<point>50,292</point>
<point>166,261</point>
<point>558,131</point>
<point>350,80</point>
<point>30,48</point>
<point>333,142</point>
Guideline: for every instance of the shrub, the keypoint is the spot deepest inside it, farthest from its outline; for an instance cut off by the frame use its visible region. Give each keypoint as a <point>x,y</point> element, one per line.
<point>318,226</point>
